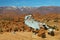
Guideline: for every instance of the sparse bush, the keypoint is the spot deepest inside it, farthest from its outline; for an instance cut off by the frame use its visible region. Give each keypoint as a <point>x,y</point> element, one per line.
<point>56,20</point>
<point>16,29</point>
<point>1,30</point>
<point>55,27</point>
<point>8,19</point>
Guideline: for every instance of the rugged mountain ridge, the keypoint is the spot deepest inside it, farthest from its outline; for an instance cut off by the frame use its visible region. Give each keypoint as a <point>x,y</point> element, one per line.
<point>28,10</point>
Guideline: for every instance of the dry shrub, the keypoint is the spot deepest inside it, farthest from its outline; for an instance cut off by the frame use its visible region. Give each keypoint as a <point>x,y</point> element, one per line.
<point>41,33</point>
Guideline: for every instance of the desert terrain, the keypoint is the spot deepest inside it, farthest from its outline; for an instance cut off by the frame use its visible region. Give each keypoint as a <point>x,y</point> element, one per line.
<point>11,20</point>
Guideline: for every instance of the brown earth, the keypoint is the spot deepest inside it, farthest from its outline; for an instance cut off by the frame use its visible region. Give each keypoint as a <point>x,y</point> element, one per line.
<point>8,23</point>
<point>27,36</point>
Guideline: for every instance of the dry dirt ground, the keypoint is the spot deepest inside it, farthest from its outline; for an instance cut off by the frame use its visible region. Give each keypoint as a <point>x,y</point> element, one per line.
<point>30,35</point>
<point>27,36</point>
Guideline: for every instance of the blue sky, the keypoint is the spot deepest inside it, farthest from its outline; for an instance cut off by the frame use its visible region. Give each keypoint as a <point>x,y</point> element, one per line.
<point>33,3</point>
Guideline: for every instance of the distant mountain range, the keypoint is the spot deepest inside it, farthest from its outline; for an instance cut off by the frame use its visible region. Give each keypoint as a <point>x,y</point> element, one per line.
<point>28,10</point>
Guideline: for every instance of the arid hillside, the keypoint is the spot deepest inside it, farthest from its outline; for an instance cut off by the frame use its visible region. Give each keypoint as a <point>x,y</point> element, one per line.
<point>9,23</point>
<point>12,19</point>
